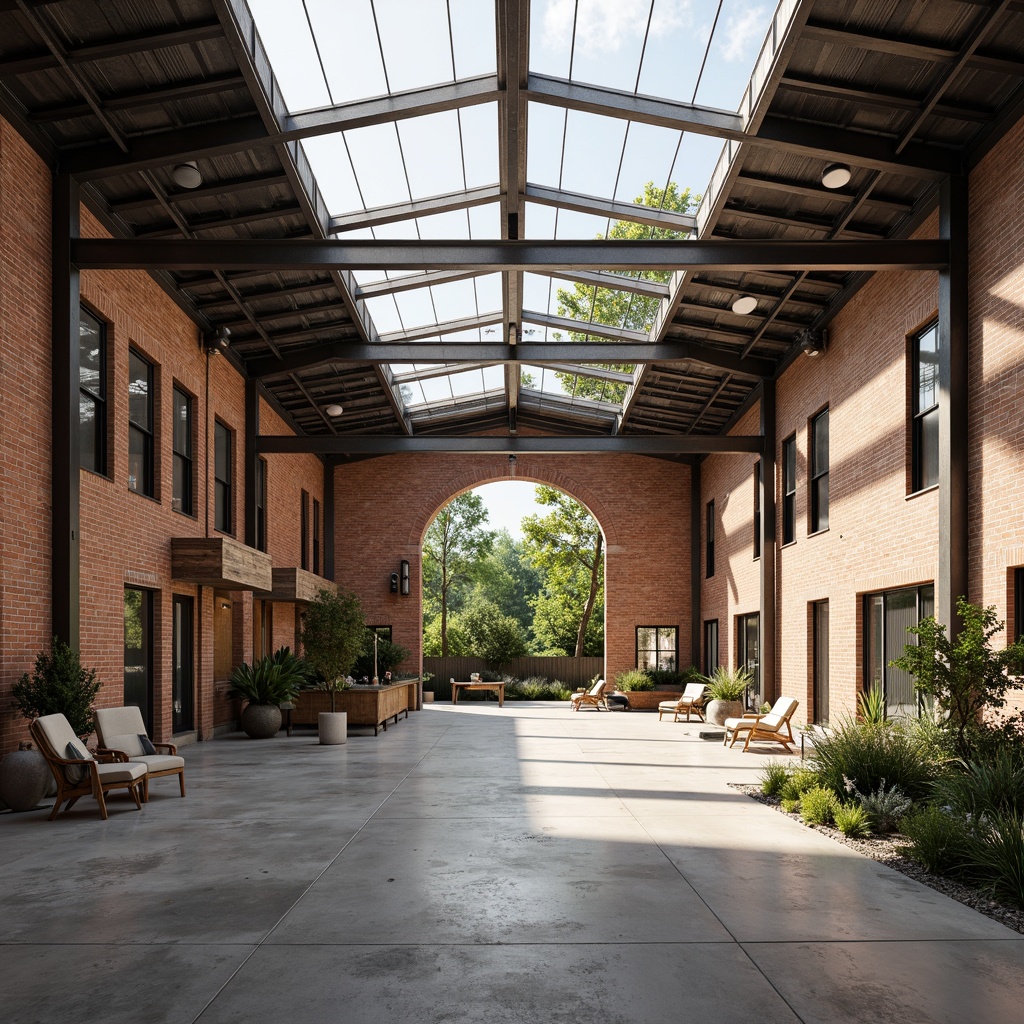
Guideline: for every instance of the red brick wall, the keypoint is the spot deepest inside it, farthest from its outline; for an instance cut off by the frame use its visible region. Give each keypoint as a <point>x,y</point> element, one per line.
<point>384,506</point>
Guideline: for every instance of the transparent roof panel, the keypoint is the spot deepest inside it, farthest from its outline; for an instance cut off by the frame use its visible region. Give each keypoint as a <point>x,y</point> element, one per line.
<point>324,52</point>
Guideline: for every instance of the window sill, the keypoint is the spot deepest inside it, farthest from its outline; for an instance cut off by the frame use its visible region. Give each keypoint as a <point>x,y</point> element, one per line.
<point>917,494</point>
<point>188,515</point>
<point>97,473</point>
<point>817,533</point>
<point>786,544</point>
<point>145,497</point>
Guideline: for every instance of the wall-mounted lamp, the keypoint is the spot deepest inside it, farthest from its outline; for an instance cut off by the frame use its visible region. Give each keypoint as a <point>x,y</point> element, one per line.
<point>404,578</point>
<point>393,580</point>
<point>812,342</point>
<point>187,174</point>
<point>217,340</point>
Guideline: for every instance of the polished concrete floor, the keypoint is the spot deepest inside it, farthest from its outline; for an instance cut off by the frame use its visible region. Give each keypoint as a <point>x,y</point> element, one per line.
<point>526,864</point>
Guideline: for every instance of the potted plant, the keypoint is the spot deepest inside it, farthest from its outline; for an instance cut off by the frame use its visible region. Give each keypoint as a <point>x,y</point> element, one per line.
<point>726,688</point>
<point>332,638</point>
<point>58,684</point>
<point>265,686</point>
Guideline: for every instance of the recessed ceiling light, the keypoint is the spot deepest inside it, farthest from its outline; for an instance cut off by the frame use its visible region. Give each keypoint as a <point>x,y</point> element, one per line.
<point>334,410</point>
<point>187,175</point>
<point>835,176</point>
<point>744,304</point>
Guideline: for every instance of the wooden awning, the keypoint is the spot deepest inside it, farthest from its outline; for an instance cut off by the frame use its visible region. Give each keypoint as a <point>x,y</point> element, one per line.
<point>296,585</point>
<point>220,562</point>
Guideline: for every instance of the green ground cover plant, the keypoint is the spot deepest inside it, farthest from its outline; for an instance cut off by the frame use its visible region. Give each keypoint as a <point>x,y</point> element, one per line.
<point>852,820</point>
<point>818,806</point>
<point>636,679</point>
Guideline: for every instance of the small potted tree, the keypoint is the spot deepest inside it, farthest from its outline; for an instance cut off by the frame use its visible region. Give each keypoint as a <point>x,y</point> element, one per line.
<point>726,688</point>
<point>332,639</point>
<point>265,686</point>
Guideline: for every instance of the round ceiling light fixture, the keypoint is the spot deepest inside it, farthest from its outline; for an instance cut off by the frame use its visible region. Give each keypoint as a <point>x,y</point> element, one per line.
<point>744,305</point>
<point>836,176</point>
<point>334,410</point>
<point>187,175</point>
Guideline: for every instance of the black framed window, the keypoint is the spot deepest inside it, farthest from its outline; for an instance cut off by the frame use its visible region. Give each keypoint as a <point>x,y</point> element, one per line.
<point>223,476</point>
<point>789,490</point>
<point>748,646</point>
<point>138,652</point>
<point>1018,604</point>
<point>92,392</point>
<point>316,536</point>
<point>261,504</point>
<point>757,509</point>
<point>657,647</point>
<point>710,646</point>
<point>141,475</point>
<point>182,499</point>
<point>304,528</point>
<point>925,408</point>
<point>887,616</point>
<point>819,472</point>
<point>709,539</point>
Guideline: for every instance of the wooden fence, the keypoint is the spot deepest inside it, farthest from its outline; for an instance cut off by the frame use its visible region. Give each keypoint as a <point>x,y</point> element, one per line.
<point>573,671</point>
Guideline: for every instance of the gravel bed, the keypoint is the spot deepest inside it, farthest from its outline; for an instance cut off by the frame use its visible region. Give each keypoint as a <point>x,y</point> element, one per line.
<point>886,850</point>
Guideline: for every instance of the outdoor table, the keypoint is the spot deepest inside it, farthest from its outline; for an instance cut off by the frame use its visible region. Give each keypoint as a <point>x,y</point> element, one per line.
<point>476,684</point>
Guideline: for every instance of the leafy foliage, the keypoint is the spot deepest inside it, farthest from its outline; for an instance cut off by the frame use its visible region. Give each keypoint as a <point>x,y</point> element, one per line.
<point>333,637</point>
<point>454,545</point>
<point>773,777</point>
<point>59,685</point>
<point>998,857</point>
<point>852,820</point>
<point>616,308</point>
<point>985,786</point>
<point>507,577</point>
<point>634,680</point>
<point>940,840</point>
<point>537,688</point>
<point>799,781</point>
<point>271,680</point>
<point>885,806</point>
<point>818,806</point>
<point>729,683</point>
<point>568,547</point>
<point>964,676</point>
<point>389,656</point>
<point>871,706</point>
<point>496,637</point>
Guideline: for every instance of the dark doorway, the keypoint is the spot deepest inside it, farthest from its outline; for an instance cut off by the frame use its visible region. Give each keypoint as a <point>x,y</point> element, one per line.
<point>138,652</point>
<point>183,706</point>
<point>819,649</point>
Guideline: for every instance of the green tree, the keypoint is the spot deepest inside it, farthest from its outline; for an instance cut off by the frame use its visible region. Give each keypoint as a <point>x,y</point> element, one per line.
<point>507,578</point>
<point>455,543</point>
<point>59,684</point>
<point>568,546</point>
<point>556,623</point>
<point>621,309</point>
<point>964,676</point>
<point>333,637</point>
<point>496,637</point>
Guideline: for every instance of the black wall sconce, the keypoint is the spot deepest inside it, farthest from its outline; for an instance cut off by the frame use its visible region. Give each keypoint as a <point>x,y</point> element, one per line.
<point>405,578</point>
<point>394,583</point>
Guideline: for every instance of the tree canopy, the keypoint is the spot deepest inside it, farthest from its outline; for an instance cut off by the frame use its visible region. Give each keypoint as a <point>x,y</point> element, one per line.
<point>621,309</point>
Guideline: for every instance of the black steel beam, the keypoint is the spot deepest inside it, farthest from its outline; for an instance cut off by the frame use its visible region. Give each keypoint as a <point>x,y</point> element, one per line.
<point>534,353</point>
<point>65,485</point>
<point>614,282</point>
<point>621,444</point>
<point>696,580</point>
<point>953,579</point>
<point>411,282</point>
<point>590,254</point>
<point>396,212</point>
<point>596,330</point>
<point>638,213</point>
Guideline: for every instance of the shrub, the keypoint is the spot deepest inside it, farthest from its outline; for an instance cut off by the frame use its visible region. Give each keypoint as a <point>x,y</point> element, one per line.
<point>272,680</point>
<point>536,688</point>
<point>729,684</point>
<point>993,784</point>
<point>885,807</point>
<point>852,820</point>
<point>999,857</point>
<point>790,806</point>
<point>59,684</point>
<point>636,679</point>
<point>871,706</point>
<point>939,840</point>
<point>867,755</point>
<point>964,675</point>
<point>798,782</point>
<point>818,806</point>
<point>773,777</point>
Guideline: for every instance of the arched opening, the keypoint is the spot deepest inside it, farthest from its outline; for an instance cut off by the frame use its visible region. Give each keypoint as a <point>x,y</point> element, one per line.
<point>513,575</point>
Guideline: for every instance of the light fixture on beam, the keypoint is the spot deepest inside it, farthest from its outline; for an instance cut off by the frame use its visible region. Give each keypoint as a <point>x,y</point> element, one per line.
<point>187,174</point>
<point>812,341</point>
<point>334,409</point>
<point>744,305</point>
<point>836,176</point>
<point>217,340</point>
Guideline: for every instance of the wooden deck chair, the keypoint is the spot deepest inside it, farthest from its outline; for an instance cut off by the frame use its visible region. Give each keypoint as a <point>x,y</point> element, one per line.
<point>691,701</point>
<point>77,772</point>
<point>123,729</point>
<point>592,698</point>
<point>772,727</point>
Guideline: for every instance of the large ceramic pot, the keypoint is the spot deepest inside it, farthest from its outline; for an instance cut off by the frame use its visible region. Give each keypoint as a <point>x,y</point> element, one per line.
<point>25,779</point>
<point>333,727</point>
<point>717,711</point>
<point>261,721</point>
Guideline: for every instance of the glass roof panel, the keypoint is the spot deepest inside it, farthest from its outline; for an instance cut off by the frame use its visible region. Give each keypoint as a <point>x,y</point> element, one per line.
<point>432,146</point>
<point>472,26</point>
<point>355,70</point>
<point>741,30</point>
<point>480,143</point>
<point>289,45</point>
<point>415,41</point>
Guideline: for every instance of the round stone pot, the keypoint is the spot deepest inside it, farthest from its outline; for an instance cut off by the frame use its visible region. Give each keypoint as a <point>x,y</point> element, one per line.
<point>261,721</point>
<point>24,779</point>
<point>717,711</point>
<point>333,727</point>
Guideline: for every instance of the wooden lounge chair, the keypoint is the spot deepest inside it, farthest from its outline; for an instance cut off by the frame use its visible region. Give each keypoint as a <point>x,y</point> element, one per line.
<point>772,727</point>
<point>77,772</point>
<point>122,729</point>
<point>692,701</point>
<point>592,698</point>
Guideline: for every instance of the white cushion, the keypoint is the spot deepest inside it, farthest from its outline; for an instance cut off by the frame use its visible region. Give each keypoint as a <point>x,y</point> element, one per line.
<point>129,743</point>
<point>740,723</point>
<point>112,722</point>
<point>160,762</point>
<point>121,772</point>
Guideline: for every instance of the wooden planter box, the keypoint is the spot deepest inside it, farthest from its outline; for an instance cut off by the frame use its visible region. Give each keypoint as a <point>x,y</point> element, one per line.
<point>372,706</point>
<point>648,700</point>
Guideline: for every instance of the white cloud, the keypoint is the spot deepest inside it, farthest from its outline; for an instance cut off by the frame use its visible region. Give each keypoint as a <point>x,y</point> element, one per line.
<point>742,29</point>
<point>603,25</point>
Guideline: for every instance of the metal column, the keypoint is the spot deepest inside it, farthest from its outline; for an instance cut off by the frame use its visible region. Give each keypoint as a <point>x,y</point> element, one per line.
<point>766,639</point>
